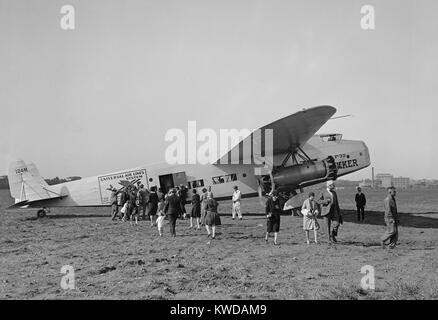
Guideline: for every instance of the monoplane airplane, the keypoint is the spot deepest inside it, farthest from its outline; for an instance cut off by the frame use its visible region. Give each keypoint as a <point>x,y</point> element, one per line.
<point>301,158</point>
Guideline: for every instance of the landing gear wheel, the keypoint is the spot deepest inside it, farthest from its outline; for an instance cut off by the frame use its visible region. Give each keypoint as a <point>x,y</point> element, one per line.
<point>41,213</point>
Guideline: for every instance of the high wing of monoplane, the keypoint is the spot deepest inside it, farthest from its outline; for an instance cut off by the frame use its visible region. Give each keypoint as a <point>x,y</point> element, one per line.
<point>289,133</point>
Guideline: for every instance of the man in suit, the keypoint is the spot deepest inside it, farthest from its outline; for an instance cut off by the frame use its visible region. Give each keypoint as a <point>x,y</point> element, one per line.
<point>173,209</point>
<point>360,204</point>
<point>391,219</point>
<point>330,210</point>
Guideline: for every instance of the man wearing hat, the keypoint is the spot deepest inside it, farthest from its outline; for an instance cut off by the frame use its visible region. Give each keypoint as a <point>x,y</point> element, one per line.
<point>360,204</point>
<point>330,210</point>
<point>237,196</point>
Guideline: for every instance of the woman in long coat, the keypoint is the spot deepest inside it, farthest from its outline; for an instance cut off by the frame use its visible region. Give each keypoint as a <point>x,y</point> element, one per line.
<point>273,211</point>
<point>203,205</point>
<point>310,210</point>
<point>212,218</point>
<point>196,209</point>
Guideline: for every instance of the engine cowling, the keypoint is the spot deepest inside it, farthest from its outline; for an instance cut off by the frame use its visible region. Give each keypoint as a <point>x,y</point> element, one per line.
<point>302,175</point>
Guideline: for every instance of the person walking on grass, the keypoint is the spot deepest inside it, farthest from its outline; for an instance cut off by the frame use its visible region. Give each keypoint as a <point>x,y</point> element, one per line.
<point>236,211</point>
<point>391,220</point>
<point>160,218</point>
<point>331,211</point>
<point>196,209</point>
<point>133,206</point>
<point>361,201</point>
<point>172,209</point>
<point>204,199</point>
<point>152,206</point>
<point>273,211</point>
<point>310,211</point>
<point>212,218</point>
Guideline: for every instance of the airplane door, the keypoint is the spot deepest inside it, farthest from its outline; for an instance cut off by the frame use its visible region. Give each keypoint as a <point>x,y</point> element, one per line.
<point>166,182</point>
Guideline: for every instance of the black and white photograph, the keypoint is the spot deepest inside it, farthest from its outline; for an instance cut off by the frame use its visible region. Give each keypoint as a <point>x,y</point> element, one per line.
<point>218,154</point>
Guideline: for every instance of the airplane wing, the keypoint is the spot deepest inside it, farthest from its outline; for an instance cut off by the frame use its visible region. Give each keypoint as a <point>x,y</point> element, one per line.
<point>289,133</point>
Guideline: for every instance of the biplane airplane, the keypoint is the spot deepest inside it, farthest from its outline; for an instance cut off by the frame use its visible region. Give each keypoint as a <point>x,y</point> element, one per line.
<point>300,158</point>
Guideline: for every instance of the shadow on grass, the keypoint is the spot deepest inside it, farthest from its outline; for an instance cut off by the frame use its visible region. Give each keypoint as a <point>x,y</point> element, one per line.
<point>406,219</point>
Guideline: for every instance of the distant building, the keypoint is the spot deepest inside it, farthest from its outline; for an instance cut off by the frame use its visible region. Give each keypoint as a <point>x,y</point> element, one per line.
<point>401,182</point>
<point>383,180</point>
<point>366,183</point>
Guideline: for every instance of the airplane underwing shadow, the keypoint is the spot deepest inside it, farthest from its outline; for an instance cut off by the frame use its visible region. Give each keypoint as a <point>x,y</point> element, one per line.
<point>67,216</point>
<point>406,219</point>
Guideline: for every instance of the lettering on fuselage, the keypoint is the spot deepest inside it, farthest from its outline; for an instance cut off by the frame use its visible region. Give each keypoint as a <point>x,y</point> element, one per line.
<point>347,164</point>
<point>20,170</point>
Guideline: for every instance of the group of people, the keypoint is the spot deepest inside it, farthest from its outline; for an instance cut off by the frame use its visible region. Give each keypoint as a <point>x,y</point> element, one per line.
<point>132,200</point>
<point>327,207</point>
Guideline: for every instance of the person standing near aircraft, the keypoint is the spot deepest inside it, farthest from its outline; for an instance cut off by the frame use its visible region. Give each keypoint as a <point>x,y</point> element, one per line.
<point>360,204</point>
<point>331,211</point>
<point>145,201</point>
<point>123,197</point>
<point>209,192</point>
<point>160,195</point>
<point>391,220</point>
<point>196,209</point>
<point>237,196</point>
<point>132,205</point>
<point>114,203</point>
<point>212,218</point>
<point>273,211</point>
<point>310,211</point>
<point>203,205</point>
<point>172,209</point>
<point>160,218</point>
<point>141,197</point>
<point>153,206</point>
<point>182,198</point>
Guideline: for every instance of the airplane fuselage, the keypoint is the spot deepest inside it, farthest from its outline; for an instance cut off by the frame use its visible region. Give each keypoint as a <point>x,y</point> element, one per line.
<point>349,155</point>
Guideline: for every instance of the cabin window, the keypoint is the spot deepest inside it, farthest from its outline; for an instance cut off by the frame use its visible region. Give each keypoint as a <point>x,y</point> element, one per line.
<point>224,179</point>
<point>195,184</point>
<point>331,137</point>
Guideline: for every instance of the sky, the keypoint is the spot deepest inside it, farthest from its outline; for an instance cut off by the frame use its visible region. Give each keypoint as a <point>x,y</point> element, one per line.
<point>101,97</point>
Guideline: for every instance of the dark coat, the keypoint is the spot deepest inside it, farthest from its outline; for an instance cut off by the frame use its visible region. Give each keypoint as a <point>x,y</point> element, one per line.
<point>329,204</point>
<point>196,200</point>
<point>273,209</point>
<point>360,199</point>
<point>173,205</point>
<point>212,205</point>
<point>123,197</point>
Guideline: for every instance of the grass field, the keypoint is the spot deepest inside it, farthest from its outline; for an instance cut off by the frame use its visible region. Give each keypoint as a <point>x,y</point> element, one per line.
<point>113,260</point>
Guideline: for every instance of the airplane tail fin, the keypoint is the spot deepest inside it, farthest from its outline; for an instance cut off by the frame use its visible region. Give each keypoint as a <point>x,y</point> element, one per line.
<point>26,183</point>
